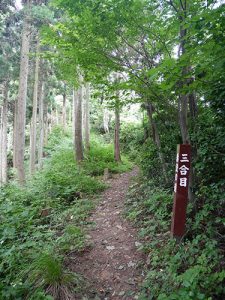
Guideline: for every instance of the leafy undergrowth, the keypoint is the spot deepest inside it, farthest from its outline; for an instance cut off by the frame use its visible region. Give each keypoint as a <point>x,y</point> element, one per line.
<point>191,269</point>
<point>45,220</point>
<point>32,225</point>
<point>101,157</point>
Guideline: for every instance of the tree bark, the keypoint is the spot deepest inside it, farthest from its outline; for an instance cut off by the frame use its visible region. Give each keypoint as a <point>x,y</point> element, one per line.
<point>19,143</point>
<point>117,155</point>
<point>74,115</point>
<point>87,117</point>
<point>15,113</point>
<point>33,133</point>
<point>3,136</point>
<point>41,125</point>
<point>156,139</point>
<point>50,119</point>
<point>78,126</point>
<point>183,119</point>
<point>193,108</point>
<point>46,118</point>
<point>183,97</point>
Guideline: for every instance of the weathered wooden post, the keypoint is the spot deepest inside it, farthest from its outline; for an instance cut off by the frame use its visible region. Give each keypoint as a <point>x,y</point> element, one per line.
<point>183,164</point>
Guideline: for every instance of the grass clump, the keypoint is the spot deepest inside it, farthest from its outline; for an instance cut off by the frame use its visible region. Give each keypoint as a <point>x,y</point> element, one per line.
<point>49,273</point>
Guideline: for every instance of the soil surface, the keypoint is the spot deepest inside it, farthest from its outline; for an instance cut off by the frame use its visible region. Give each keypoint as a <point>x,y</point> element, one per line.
<point>113,265</point>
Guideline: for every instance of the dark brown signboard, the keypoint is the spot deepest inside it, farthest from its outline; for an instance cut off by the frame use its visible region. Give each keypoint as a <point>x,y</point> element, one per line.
<point>183,164</point>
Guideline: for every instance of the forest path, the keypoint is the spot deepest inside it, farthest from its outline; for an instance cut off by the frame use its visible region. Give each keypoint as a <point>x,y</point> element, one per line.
<point>113,266</point>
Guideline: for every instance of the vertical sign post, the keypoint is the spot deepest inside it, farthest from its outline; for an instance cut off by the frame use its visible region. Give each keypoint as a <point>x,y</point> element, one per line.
<point>183,164</point>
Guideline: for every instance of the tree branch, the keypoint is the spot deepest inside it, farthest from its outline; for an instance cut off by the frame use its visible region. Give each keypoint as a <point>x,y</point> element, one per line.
<point>172,4</point>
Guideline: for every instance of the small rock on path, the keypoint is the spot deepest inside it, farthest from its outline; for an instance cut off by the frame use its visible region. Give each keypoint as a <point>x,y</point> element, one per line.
<point>113,265</point>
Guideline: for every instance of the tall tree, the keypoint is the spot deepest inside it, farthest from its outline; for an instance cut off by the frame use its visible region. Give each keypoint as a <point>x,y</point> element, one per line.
<point>64,108</point>
<point>41,116</point>
<point>9,48</point>
<point>20,111</point>
<point>3,134</point>
<point>78,125</point>
<point>156,138</point>
<point>117,155</point>
<point>87,117</point>
<point>33,131</point>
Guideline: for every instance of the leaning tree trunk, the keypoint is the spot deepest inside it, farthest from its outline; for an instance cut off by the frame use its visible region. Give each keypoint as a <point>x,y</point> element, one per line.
<point>87,117</point>
<point>78,126</point>
<point>3,137</point>
<point>33,132</point>
<point>19,142</point>
<point>156,139</point>
<point>117,156</point>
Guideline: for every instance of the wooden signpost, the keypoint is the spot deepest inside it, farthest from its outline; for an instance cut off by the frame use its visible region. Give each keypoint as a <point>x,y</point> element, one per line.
<point>183,164</point>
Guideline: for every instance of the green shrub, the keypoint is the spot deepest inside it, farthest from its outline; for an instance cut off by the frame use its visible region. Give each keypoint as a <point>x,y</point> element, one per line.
<point>100,157</point>
<point>137,142</point>
<point>132,137</point>
<point>58,137</point>
<point>62,178</point>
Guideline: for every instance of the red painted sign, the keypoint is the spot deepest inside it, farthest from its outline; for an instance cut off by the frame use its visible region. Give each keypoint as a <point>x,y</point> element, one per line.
<point>183,164</point>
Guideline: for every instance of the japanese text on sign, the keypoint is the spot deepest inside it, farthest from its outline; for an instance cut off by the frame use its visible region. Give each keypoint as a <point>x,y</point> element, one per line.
<point>181,190</point>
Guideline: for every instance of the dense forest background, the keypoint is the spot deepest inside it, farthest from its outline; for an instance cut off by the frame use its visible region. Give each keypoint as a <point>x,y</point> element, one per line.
<point>91,88</point>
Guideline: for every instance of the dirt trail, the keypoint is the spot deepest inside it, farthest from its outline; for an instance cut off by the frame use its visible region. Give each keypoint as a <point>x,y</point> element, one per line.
<point>113,265</point>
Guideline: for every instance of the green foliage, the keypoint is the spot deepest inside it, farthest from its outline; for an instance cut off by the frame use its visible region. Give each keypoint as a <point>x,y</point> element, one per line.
<point>62,178</point>
<point>53,203</point>
<point>138,143</point>
<point>89,38</point>
<point>100,157</point>
<point>132,138</point>
<point>190,269</point>
<point>56,136</point>
<point>210,142</point>
<point>26,230</point>
<point>73,238</point>
<point>152,207</point>
<point>47,216</point>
